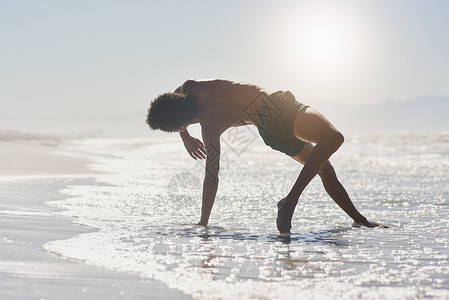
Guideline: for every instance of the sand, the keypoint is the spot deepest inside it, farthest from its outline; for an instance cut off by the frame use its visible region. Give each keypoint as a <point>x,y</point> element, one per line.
<point>31,155</point>
<point>32,171</point>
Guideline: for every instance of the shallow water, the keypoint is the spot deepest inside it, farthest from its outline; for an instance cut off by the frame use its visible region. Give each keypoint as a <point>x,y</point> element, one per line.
<point>147,205</point>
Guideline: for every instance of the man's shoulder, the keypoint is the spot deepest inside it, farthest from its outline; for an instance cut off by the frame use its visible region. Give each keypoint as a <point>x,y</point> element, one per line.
<point>195,88</point>
<point>188,86</point>
<point>207,83</point>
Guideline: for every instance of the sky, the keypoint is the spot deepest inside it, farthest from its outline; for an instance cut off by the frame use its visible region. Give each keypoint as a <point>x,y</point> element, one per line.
<point>68,66</point>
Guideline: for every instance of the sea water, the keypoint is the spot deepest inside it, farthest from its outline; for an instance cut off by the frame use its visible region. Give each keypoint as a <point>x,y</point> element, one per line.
<point>147,201</point>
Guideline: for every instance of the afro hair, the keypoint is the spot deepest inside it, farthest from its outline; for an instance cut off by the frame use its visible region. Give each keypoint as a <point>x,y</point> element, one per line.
<point>171,111</point>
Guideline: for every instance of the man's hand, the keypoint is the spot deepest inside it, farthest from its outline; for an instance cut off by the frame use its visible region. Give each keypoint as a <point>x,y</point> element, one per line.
<point>369,224</point>
<point>194,146</point>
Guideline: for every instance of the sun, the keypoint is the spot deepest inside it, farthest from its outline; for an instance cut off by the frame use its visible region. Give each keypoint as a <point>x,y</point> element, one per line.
<point>322,42</point>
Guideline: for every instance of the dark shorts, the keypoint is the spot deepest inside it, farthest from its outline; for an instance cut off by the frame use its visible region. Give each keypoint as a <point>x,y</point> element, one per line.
<point>276,128</point>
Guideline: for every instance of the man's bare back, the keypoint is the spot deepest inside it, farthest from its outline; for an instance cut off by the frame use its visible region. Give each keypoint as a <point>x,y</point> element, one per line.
<point>222,103</point>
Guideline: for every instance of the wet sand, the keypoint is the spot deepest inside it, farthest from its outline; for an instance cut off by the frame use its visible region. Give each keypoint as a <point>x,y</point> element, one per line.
<point>33,170</point>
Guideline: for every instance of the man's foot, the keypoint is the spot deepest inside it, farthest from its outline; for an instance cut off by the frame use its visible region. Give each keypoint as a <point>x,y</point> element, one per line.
<point>284,218</point>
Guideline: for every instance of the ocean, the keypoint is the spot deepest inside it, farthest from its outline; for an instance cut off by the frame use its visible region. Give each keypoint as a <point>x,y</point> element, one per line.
<point>146,201</point>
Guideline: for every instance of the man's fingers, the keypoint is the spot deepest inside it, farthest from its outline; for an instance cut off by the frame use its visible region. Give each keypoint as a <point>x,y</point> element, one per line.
<point>194,154</point>
<point>191,154</point>
<point>203,150</point>
<point>200,145</point>
<point>199,154</point>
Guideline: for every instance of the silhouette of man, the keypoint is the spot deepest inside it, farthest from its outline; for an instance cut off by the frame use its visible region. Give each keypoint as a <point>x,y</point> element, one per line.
<point>283,123</point>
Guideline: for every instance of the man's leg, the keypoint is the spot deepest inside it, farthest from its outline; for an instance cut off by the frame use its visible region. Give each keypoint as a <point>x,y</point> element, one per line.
<point>332,185</point>
<point>309,126</point>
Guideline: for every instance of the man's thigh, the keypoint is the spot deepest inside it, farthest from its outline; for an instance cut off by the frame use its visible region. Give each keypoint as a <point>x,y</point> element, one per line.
<point>311,126</point>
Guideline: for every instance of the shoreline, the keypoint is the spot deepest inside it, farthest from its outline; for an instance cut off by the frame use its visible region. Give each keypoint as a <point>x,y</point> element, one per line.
<point>32,173</point>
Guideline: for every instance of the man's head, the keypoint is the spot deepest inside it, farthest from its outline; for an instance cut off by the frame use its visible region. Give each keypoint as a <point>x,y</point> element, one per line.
<point>171,112</point>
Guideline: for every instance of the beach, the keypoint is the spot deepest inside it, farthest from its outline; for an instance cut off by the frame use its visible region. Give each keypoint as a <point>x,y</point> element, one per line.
<point>33,169</point>
<point>102,191</point>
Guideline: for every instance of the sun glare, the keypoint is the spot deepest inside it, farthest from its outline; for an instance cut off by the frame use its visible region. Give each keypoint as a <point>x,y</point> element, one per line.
<point>323,42</point>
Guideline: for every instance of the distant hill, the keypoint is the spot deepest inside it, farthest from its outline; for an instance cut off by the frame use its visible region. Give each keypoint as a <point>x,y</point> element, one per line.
<point>419,114</point>
<point>416,115</point>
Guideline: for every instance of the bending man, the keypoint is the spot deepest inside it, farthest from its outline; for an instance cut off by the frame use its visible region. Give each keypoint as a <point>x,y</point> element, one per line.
<point>283,123</point>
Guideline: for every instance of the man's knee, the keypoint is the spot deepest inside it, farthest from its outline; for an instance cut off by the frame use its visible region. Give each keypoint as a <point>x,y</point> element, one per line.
<point>335,139</point>
<point>340,139</point>
<point>327,170</point>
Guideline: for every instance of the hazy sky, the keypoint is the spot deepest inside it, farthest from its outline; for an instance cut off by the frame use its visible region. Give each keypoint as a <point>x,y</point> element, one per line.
<point>99,59</point>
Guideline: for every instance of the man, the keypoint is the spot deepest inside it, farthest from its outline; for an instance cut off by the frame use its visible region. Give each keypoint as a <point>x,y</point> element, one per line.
<point>284,124</point>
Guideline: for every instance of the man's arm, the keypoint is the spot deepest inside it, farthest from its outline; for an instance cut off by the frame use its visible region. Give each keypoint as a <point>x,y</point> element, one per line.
<point>210,185</point>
